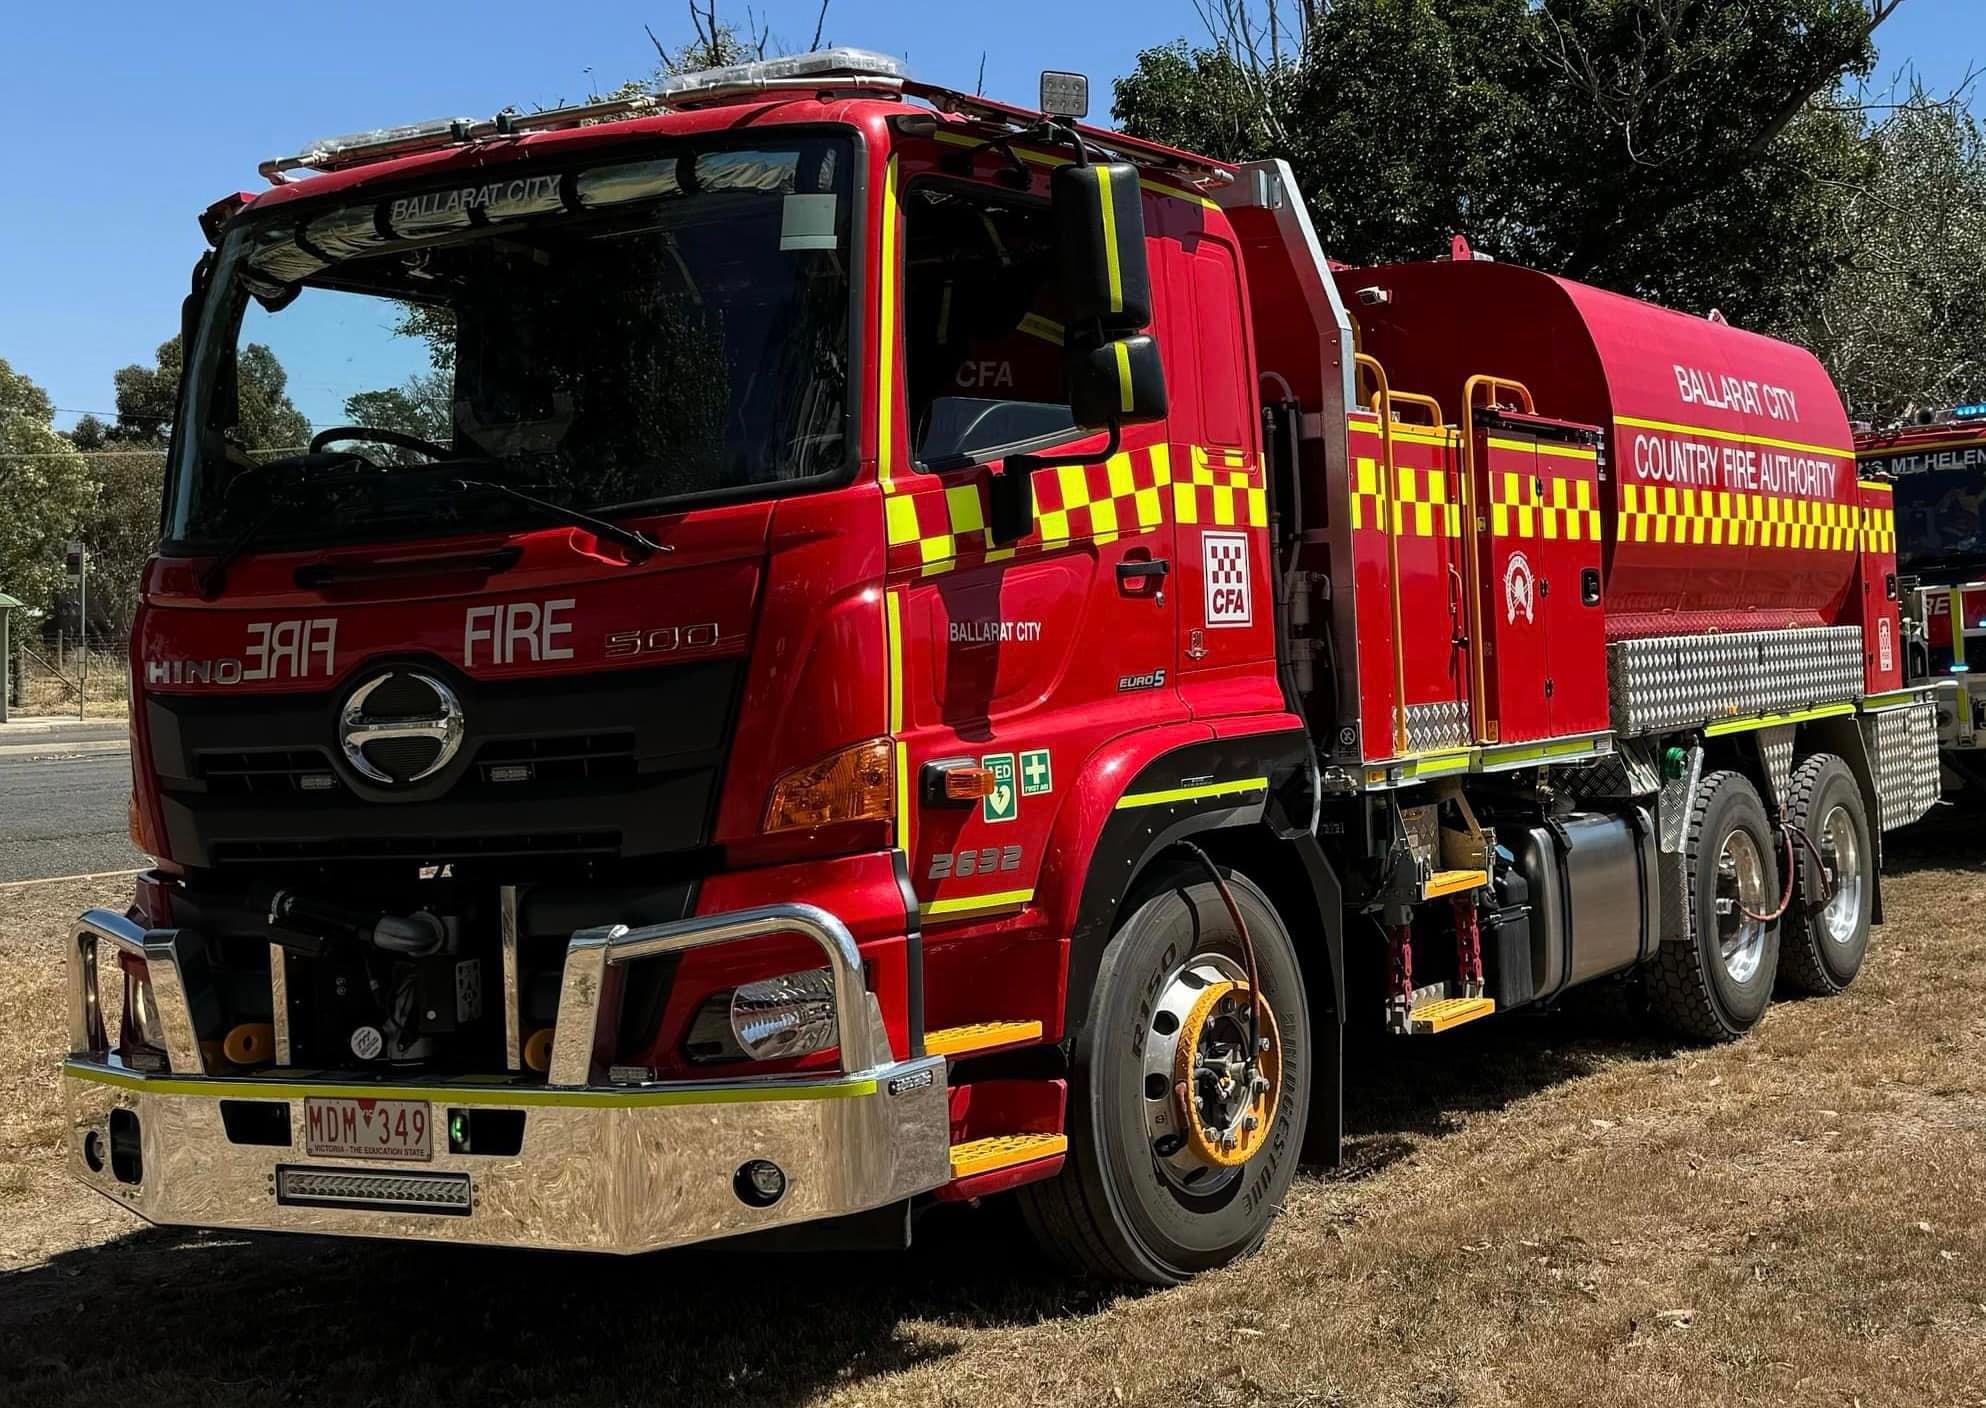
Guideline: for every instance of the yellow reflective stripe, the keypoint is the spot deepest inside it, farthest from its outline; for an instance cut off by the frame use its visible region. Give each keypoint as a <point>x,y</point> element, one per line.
<point>886,332</point>
<point>1108,215</point>
<point>1191,794</point>
<point>1679,429</point>
<point>1047,329</point>
<point>965,904</point>
<point>1123,352</point>
<point>893,616</point>
<point>1569,452</point>
<point>1895,699</point>
<point>1758,721</point>
<point>534,1095</point>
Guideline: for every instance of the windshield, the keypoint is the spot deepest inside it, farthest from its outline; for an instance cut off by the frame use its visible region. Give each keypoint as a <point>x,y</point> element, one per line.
<point>601,337</point>
<point>1938,528</point>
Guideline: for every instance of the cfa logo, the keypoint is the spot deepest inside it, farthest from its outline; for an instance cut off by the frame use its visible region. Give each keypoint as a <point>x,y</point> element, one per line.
<point>1519,589</point>
<point>986,374</point>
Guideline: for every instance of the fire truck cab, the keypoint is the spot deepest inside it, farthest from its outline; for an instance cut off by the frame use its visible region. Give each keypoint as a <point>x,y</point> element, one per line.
<point>923,649</point>
<point>1937,473</point>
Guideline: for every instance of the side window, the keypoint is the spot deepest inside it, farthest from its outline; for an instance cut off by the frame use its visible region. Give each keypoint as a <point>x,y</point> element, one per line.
<point>982,323</point>
<point>1218,332</point>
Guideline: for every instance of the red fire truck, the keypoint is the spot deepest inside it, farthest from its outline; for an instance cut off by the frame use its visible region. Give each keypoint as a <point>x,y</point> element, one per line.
<point>941,650</point>
<point>1938,473</point>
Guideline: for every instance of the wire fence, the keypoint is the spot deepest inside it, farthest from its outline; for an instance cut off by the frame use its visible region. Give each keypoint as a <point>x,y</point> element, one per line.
<point>65,675</point>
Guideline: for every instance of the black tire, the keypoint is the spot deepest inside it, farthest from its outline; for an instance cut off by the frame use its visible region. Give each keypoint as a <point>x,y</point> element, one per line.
<point>1690,985</point>
<point>1816,956</point>
<point>1111,1212</point>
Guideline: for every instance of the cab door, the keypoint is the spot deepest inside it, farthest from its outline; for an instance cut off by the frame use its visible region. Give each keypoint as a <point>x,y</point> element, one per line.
<point>1015,660</point>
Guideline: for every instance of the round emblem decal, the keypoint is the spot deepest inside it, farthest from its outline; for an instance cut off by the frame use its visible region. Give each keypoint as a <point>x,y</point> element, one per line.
<point>1519,588</point>
<point>400,727</point>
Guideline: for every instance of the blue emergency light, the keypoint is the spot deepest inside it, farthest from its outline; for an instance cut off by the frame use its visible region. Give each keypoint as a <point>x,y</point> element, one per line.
<point>1972,410</point>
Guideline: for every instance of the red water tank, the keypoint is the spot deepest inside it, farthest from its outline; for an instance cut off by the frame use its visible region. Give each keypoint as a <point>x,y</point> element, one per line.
<point>1729,499</point>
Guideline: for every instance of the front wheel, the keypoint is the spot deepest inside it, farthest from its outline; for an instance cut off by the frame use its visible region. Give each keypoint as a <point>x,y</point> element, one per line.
<point>1182,1148</point>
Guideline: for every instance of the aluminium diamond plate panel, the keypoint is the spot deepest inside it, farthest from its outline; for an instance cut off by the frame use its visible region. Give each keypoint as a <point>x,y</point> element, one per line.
<point>1672,682</point>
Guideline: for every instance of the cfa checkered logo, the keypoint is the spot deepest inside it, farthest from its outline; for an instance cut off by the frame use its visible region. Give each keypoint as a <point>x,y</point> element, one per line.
<point>1228,597</point>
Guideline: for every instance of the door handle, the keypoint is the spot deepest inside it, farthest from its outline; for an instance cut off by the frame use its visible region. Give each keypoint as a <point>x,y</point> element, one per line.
<point>1149,567</point>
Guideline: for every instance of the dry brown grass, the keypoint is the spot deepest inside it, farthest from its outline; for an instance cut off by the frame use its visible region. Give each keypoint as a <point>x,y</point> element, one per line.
<point>1559,1210</point>
<point>108,683</point>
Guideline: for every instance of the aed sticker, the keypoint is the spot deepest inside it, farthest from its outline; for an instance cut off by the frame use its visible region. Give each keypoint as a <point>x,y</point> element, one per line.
<point>1036,776</point>
<point>1003,802</point>
<point>1229,600</point>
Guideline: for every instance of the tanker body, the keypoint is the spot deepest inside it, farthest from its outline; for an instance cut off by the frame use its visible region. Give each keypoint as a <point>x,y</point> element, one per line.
<point>934,651</point>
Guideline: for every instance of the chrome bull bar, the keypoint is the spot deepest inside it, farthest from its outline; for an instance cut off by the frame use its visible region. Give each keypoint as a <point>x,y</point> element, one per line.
<point>604,1166</point>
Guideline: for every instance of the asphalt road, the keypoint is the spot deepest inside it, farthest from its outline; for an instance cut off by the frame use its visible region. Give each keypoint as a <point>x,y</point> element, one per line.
<point>62,804</point>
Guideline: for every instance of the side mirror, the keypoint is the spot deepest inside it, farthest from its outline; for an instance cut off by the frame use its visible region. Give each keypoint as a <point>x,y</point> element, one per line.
<point>1120,382</point>
<point>1100,219</point>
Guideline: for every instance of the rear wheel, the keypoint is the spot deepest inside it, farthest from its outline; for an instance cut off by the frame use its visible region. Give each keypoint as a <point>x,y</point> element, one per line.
<point>1716,985</point>
<point>1180,1148</point>
<point>1826,934</point>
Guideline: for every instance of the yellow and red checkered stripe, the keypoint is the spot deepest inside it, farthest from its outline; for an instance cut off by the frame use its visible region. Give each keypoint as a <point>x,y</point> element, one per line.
<point>1131,492</point>
<point>1652,513</point>
<point>1427,504</point>
<point>1524,505</point>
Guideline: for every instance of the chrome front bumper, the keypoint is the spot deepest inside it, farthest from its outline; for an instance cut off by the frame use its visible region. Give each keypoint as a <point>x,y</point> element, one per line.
<point>621,1168</point>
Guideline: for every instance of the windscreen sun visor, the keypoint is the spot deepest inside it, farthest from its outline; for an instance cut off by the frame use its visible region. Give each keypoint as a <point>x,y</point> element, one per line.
<point>287,253</point>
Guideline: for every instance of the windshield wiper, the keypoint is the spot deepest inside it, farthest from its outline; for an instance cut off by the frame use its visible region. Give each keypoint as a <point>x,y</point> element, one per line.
<point>638,544</point>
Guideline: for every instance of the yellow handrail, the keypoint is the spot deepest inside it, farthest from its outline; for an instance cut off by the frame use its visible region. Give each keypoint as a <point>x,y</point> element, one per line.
<point>1483,729</point>
<point>1383,403</point>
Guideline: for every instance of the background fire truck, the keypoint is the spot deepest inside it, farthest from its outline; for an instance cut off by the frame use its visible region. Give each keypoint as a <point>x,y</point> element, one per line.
<point>1939,475</point>
<point>943,651</point>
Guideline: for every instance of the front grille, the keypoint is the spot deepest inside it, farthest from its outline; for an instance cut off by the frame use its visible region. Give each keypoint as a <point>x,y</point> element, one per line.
<point>420,848</point>
<point>511,761</point>
<point>269,772</point>
<point>625,763</point>
<point>446,1193</point>
<point>402,758</point>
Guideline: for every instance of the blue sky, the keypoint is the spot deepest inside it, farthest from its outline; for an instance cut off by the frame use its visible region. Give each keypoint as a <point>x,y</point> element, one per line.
<point>119,124</point>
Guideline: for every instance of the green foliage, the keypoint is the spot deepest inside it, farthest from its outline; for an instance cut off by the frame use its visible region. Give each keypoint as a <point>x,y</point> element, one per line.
<point>147,399</point>
<point>1680,150</point>
<point>45,491</point>
<point>422,405</point>
<point>1902,327</point>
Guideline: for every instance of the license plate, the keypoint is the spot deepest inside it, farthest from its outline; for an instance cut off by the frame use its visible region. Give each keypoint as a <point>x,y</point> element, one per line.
<point>368,1129</point>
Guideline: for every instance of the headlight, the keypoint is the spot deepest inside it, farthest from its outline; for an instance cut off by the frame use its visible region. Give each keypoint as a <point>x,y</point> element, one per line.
<point>773,1019</point>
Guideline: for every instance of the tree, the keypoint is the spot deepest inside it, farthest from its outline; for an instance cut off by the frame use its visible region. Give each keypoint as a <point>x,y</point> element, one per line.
<point>1684,150</point>
<point>45,492</point>
<point>127,461</point>
<point>1902,326</point>
<point>422,405</point>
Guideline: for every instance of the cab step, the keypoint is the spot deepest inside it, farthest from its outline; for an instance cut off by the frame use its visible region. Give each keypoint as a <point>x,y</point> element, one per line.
<point>976,1037</point>
<point>1453,882</point>
<point>998,1151</point>
<point>1426,1018</point>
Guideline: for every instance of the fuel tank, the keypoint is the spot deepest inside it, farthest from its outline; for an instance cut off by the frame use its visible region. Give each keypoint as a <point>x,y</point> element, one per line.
<point>1728,489</point>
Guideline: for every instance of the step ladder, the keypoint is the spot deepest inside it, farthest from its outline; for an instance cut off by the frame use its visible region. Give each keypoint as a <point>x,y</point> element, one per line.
<point>995,1152</point>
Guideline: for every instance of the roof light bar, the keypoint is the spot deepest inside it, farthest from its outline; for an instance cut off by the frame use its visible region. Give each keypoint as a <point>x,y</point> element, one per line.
<point>798,72</point>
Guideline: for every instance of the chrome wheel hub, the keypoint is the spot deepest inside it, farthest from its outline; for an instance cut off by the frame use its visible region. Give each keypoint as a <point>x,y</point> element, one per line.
<point>1741,888</point>
<point>1841,855</point>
